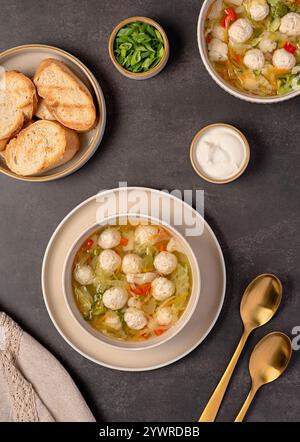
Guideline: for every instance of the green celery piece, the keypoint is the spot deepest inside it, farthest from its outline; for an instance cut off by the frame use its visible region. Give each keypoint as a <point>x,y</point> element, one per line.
<point>145,54</point>
<point>97,251</point>
<point>126,46</point>
<point>137,67</point>
<point>158,35</point>
<point>84,299</point>
<point>149,47</point>
<point>161,52</point>
<point>279,9</point>
<point>142,38</point>
<point>136,57</point>
<point>140,48</point>
<point>151,31</point>
<point>275,24</point>
<point>273,2</point>
<point>127,62</point>
<point>147,63</point>
<point>284,84</point>
<point>120,60</point>
<point>155,62</point>
<point>124,32</point>
<point>98,308</point>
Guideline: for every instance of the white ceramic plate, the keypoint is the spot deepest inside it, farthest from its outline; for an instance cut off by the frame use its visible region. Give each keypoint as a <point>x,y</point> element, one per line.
<point>26,60</point>
<point>213,284</point>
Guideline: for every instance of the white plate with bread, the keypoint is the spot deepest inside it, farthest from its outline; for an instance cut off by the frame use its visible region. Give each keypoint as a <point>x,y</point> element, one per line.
<point>52,113</point>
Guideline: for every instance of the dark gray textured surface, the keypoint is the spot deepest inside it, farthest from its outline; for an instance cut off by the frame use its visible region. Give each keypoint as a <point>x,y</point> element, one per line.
<point>150,127</point>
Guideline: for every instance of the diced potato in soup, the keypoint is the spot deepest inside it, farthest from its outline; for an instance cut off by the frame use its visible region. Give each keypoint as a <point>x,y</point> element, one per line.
<point>131,282</point>
<point>254,45</point>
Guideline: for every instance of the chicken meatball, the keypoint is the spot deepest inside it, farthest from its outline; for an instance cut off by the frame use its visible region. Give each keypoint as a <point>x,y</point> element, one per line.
<point>162,288</point>
<point>134,302</point>
<point>165,263</point>
<point>283,59</point>
<point>254,59</point>
<point>109,261</point>
<point>84,274</point>
<point>217,50</point>
<point>241,30</point>
<point>132,263</point>
<point>146,235</point>
<point>109,238</point>
<point>164,316</point>
<point>175,246</point>
<point>219,32</point>
<point>266,45</point>
<point>259,9</point>
<point>135,318</point>
<point>113,321</point>
<point>290,24</point>
<point>115,298</point>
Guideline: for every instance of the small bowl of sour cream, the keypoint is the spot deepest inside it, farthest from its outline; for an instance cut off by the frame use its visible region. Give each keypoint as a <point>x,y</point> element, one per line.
<point>220,153</point>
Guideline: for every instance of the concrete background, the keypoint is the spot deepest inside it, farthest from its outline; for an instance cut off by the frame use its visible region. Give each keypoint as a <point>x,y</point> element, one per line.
<point>146,143</point>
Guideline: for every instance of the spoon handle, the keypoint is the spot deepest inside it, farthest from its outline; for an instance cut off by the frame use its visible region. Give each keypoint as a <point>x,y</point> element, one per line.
<point>211,410</point>
<point>247,403</point>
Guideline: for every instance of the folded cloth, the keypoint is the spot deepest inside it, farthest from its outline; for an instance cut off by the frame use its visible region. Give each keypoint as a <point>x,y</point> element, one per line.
<point>34,387</point>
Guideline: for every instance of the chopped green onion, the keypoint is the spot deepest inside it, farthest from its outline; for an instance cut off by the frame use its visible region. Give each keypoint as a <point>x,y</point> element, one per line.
<point>138,47</point>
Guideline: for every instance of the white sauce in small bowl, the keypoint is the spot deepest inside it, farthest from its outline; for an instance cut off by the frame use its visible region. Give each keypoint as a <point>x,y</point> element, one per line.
<point>219,153</point>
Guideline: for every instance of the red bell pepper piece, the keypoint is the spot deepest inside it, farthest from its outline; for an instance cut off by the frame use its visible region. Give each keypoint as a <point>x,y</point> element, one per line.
<point>289,47</point>
<point>231,13</point>
<point>229,17</point>
<point>124,241</point>
<point>162,248</point>
<point>141,290</point>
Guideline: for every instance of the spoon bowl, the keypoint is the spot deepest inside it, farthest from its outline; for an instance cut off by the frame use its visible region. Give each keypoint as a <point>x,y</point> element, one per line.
<point>270,358</point>
<point>260,301</point>
<point>268,361</point>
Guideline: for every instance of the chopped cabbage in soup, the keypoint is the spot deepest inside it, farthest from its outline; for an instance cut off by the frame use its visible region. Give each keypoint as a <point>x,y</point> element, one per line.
<point>254,45</point>
<point>131,282</point>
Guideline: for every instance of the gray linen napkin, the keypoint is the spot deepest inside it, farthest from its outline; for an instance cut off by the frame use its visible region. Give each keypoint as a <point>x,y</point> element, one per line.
<point>34,387</point>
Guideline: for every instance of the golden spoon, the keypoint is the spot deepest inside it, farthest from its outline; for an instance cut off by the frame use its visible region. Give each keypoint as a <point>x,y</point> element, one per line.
<point>268,361</point>
<point>259,303</point>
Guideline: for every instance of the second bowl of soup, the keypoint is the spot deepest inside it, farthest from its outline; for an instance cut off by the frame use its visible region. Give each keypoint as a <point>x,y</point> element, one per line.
<point>133,283</point>
<point>251,48</point>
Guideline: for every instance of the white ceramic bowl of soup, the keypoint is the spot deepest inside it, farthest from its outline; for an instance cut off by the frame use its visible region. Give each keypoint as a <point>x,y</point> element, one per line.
<point>123,344</point>
<point>202,44</point>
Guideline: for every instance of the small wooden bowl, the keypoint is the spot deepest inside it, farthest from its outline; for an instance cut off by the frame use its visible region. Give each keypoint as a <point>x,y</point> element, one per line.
<point>139,75</point>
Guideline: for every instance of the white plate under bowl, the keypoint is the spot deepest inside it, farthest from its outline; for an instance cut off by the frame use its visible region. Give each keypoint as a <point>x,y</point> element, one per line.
<point>26,60</point>
<point>213,283</point>
<point>218,79</point>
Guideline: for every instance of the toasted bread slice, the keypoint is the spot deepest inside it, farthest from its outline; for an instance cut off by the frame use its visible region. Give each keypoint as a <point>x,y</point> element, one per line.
<point>43,112</point>
<point>4,142</point>
<point>18,102</point>
<point>41,146</point>
<point>72,147</point>
<point>66,97</point>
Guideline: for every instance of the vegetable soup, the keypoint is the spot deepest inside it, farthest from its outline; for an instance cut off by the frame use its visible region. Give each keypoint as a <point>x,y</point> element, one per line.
<point>254,45</point>
<point>132,282</point>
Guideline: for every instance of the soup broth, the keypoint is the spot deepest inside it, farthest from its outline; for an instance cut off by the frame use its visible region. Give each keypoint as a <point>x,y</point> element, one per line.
<point>254,45</point>
<point>131,282</point>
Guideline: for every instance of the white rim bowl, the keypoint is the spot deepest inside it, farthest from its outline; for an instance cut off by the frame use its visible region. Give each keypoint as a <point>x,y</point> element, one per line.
<point>218,79</point>
<point>153,342</point>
